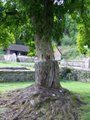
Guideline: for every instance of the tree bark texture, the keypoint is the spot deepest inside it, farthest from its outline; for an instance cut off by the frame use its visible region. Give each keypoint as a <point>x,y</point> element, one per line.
<point>44,48</point>
<point>46,69</point>
<point>47,74</point>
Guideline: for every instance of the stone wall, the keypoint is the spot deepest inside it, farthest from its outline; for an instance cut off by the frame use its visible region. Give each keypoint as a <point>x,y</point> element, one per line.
<point>19,58</point>
<point>16,75</point>
<point>82,75</point>
<point>7,75</point>
<point>83,63</point>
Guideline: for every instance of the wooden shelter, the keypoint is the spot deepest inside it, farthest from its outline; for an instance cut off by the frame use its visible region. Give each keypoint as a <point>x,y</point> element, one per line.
<point>17,49</point>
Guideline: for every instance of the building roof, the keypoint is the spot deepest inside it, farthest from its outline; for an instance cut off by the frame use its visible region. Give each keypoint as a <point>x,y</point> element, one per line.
<point>17,47</point>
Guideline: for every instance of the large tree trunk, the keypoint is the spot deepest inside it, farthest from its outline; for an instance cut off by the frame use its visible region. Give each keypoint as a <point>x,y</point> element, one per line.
<point>47,69</point>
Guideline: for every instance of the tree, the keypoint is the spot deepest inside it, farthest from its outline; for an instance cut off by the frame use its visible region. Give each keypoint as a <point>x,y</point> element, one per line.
<point>42,19</point>
<point>6,37</point>
<point>83,26</point>
<point>83,38</point>
<point>47,19</point>
<point>70,31</point>
<point>84,29</point>
<point>42,14</point>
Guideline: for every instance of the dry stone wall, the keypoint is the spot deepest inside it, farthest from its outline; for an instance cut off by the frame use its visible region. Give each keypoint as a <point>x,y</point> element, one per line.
<point>82,75</point>
<point>12,75</point>
<point>84,63</point>
<point>16,75</point>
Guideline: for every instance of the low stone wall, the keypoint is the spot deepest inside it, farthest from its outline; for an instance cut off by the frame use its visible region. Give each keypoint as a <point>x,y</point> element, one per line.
<point>16,75</point>
<point>82,75</point>
<point>84,63</point>
<point>19,58</point>
<point>7,75</point>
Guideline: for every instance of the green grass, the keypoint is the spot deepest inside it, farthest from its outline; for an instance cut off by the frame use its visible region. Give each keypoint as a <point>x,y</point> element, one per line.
<point>77,87</point>
<point>12,86</point>
<point>17,64</point>
<point>82,89</point>
<point>9,64</point>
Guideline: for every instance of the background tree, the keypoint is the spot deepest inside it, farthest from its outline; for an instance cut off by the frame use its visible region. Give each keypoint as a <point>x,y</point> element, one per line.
<point>6,37</point>
<point>70,31</point>
<point>83,27</point>
<point>83,38</point>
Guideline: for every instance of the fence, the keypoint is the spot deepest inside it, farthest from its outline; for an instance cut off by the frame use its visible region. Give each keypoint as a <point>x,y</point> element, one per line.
<point>84,63</point>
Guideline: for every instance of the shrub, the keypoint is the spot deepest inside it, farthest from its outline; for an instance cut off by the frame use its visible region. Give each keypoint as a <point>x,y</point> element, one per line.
<point>88,52</point>
<point>66,40</point>
<point>83,38</point>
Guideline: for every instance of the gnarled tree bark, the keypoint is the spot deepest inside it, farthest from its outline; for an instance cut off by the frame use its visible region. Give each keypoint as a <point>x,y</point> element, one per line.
<point>47,69</point>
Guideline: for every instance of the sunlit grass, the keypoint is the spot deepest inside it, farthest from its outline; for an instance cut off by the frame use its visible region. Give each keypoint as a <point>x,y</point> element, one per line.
<point>14,64</point>
<point>78,87</point>
<point>12,86</point>
<point>17,64</point>
<point>83,90</point>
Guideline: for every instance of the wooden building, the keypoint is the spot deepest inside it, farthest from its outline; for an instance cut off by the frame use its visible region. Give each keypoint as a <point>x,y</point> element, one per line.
<point>17,49</point>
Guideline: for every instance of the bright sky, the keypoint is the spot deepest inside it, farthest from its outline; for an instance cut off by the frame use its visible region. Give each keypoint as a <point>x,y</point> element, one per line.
<point>59,2</point>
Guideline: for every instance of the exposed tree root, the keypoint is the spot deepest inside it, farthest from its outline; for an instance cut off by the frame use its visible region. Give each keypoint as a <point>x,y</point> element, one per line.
<point>39,103</point>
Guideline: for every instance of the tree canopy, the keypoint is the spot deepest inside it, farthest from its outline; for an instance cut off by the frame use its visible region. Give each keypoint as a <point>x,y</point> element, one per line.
<point>23,19</point>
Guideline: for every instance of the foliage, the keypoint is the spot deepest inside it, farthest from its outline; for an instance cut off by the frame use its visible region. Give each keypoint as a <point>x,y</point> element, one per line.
<point>26,36</point>
<point>1,51</point>
<point>66,40</point>
<point>70,31</point>
<point>88,52</point>
<point>70,52</point>
<point>36,9</point>
<point>15,29</point>
<point>83,39</point>
<point>6,37</point>
<point>84,27</point>
<point>53,19</point>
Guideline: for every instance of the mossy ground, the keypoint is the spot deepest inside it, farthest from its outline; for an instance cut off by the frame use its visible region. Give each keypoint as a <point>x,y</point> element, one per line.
<point>39,103</point>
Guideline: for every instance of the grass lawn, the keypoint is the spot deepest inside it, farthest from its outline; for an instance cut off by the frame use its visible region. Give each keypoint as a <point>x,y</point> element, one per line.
<point>82,89</point>
<point>17,64</point>
<point>12,86</point>
<point>9,64</point>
